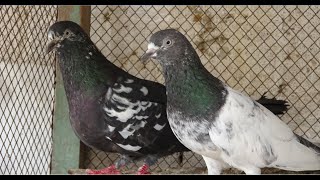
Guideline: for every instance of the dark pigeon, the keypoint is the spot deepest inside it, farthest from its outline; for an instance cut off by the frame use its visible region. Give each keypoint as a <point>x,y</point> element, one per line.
<point>226,127</point>
<point>111,110</point>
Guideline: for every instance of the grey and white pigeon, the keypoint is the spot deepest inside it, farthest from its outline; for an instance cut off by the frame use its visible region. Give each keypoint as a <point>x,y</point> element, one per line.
<point>111,110</point>
<point>226,127</point>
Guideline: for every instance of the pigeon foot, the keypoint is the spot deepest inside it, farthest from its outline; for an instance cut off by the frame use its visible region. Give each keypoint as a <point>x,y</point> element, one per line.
<point>143,170</point>
<point>109,170</point>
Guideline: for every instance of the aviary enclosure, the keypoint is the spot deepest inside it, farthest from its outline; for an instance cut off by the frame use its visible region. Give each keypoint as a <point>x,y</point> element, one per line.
<point>254,49</point>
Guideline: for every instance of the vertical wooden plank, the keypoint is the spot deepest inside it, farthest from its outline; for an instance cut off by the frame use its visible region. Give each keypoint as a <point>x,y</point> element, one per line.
<point>66,146</point>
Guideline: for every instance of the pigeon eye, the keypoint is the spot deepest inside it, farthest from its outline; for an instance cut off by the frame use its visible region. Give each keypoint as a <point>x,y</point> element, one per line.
<point>167,43</point>
<point>67,33</point>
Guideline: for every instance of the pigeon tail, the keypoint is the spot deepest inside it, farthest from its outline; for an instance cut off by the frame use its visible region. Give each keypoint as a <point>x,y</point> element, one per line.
<point>314,146</point>
<point>276,106</point>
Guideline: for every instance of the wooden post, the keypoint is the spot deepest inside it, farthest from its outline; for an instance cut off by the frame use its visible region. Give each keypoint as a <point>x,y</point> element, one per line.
<point>66,146</point>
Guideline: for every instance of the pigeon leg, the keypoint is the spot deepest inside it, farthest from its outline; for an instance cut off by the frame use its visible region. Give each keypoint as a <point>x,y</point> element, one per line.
<point>113,169</point>
<point>149,161</point>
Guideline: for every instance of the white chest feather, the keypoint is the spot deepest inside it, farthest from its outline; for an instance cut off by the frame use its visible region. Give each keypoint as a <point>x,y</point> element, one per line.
<point>193,134</point>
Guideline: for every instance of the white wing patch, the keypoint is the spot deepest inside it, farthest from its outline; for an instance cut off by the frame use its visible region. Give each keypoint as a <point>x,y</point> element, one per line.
<point>138,126</point>
<point>128,81</point>
<point>144,90</point>
<point>143,123</point>
<point>122,88</point>
<point>141,117</point>
<point>125,133</point>
<point>143,103</point>
<point>128,112</point>
<point>158,127</point>
<point>158,115</point>
<point>129,147</point>
<point>120,99</point>
<point>108,138</point>
<point>111,128</point>
<point>122,116</point>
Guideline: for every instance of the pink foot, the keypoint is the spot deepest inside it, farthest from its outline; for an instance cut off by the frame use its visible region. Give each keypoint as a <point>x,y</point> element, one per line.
<point>109,170</point>
<point>143,170</point>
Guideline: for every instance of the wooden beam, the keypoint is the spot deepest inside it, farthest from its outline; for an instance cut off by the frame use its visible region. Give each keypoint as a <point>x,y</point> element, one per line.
<point>66,146</point>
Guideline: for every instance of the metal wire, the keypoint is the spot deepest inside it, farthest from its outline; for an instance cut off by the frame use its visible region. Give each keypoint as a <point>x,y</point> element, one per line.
<point>254,49</point>
<point>26,90</point>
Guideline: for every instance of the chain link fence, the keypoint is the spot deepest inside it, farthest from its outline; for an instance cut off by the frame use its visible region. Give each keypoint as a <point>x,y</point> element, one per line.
<point>26,89</point>
<point>254,49</point>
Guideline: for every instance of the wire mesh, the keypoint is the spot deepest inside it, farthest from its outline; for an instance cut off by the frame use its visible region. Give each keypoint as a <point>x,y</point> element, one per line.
<point>26,90</point>
<point>254,49</point>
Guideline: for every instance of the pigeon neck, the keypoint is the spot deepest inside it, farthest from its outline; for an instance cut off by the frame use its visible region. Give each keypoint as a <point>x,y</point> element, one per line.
<point>84,69</point>
<point>193,90</point>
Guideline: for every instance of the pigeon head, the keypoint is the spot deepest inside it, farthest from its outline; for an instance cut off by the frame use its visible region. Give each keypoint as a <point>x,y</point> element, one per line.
<point>169,47</point>
<point>63,31</point>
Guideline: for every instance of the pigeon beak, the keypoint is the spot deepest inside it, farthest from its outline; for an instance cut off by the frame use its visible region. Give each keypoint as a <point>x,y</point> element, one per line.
<point>150,53</point>
<point>51,45</point>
